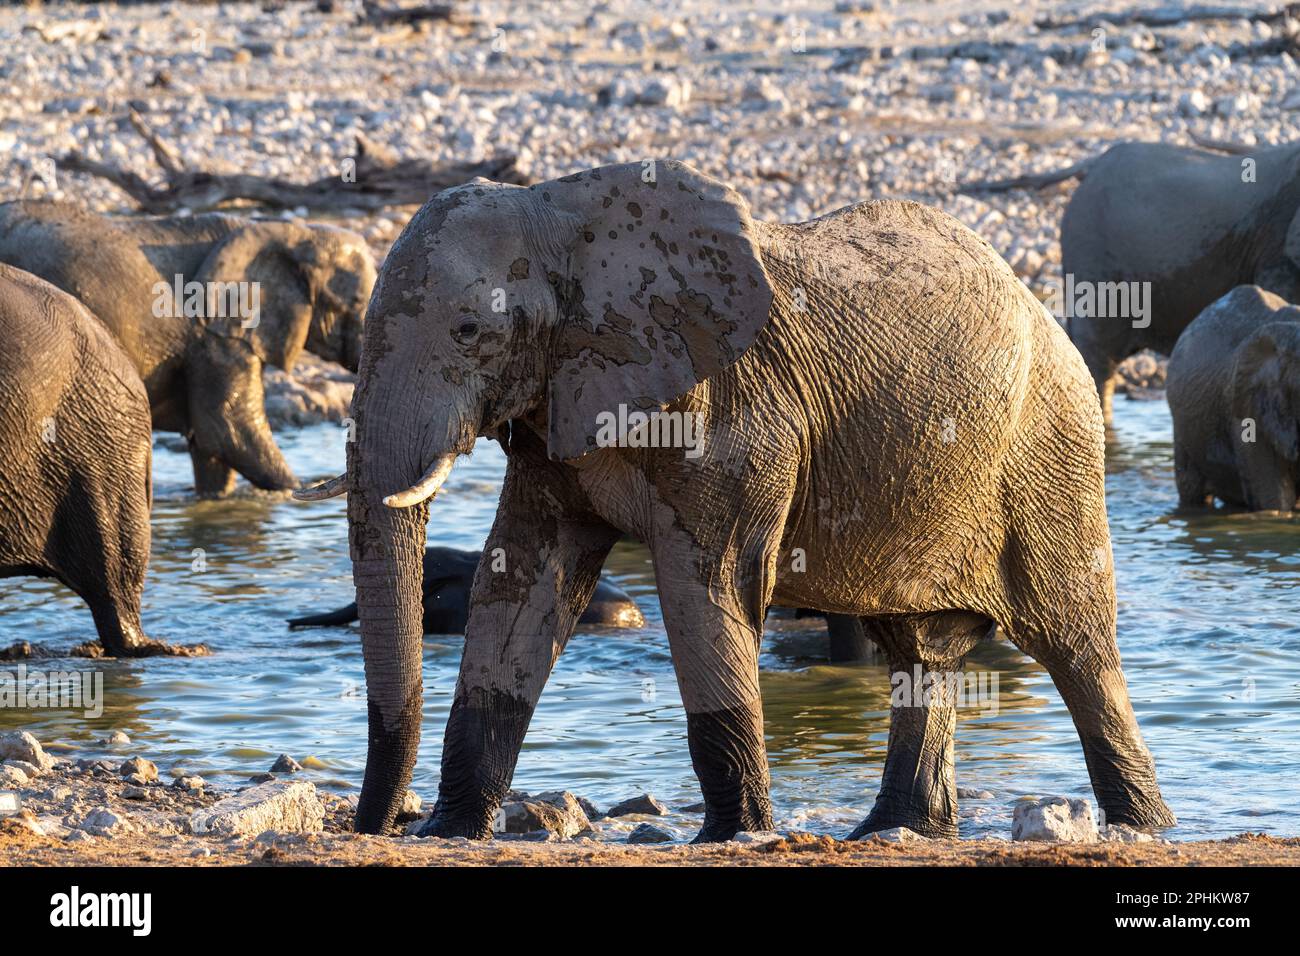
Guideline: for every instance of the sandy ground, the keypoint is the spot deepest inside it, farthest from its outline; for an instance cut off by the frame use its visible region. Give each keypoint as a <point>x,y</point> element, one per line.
<point>19,847</point>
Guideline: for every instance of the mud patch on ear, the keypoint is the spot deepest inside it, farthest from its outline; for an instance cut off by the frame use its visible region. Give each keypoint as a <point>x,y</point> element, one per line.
<point>666,287</point>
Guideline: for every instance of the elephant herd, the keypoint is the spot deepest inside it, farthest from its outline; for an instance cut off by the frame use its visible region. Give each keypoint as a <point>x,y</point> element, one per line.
<point>888,427</point>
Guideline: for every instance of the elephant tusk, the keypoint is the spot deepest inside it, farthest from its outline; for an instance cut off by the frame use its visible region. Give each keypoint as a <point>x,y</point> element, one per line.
<point>326,489</point>
<point>426,487</point>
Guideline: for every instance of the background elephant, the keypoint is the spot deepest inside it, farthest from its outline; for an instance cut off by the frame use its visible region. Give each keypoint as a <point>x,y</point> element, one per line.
<point>1191,223</point>
<point>1234,391</point>
<point>203,373</point>
<point>889,426</point>
<point>447,579</point>
<point>75,441</point>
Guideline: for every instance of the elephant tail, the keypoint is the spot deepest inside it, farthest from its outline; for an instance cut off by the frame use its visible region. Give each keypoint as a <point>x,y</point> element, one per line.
<point>344,615</point>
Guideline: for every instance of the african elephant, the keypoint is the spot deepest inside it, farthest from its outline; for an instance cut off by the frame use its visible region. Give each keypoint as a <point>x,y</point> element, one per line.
<point>1234,391</point>
<point>447,580</point>
<point>1192,224</point>
<point>74,437</point>
<point>265,291</point>
<point>866,414</point>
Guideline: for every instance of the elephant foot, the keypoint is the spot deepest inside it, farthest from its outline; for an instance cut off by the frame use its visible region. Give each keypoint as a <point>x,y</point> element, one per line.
<point>751,812</point>
<point>147,648</point>
<point>1139,811</point>
<point>886,818</point>
<point>448,827</point>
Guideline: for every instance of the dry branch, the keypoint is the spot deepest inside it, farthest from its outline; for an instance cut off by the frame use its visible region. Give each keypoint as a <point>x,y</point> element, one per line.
<point>379,179</point>
<point>372,14</point>
<point>1168,16</point>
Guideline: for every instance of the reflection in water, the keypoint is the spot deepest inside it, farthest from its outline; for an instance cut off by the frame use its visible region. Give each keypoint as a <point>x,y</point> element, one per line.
<point>1207,630</point>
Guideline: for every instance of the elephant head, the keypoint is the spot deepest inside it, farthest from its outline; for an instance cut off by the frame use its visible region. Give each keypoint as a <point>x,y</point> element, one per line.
<point>1265,391</point>
<point>623,285</point>
<point>313,285</point>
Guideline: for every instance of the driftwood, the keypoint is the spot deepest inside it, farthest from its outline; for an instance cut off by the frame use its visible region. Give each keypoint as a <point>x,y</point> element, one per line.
<point>374,179</point>
<point>1168,16</point>
<point>372,14</point>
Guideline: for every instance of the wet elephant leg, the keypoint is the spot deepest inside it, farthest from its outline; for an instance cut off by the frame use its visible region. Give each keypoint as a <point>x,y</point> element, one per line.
<point>849,639</point>
<point>520,619</point>
<point>1123,774</point>
<point>714,637</point>
<point>925,653</point>
<point>213,478</point>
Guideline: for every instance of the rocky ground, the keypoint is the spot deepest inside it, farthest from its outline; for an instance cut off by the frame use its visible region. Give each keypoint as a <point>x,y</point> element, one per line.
<point>803,106</point>
<point>124,812</point>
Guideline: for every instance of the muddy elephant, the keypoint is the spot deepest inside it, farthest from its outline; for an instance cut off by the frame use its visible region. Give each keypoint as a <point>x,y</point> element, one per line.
<point>1192,224</point>
<point>866,414</point>
<point>447,580</point>
<point>201,304</point>
<point>75,441</point>
<point>1234,391</point>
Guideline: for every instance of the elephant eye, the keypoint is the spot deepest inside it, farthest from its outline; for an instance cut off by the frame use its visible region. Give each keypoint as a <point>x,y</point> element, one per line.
<point>467,330</point>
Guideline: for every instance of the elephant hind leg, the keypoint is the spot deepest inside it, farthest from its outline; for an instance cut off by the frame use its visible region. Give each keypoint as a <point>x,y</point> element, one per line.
<point>925,652</point>
<point>1073,636</point>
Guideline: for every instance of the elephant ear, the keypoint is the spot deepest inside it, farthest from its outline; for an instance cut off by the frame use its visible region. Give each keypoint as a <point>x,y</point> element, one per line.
<point>664,287</point>
<point>267,265</point>
<point>1264,387</point>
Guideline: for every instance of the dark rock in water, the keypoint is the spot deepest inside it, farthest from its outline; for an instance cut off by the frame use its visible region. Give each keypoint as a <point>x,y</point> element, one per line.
<point>285,764</point>
<point>589,809</point>
<point>261,777</point>
<point>645,804</point>
<point>692,808</point>
<point>974,793</point>
<point>649,833</point>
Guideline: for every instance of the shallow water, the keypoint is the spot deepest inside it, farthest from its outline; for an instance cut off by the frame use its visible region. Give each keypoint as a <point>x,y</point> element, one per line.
<point>1207,628</point>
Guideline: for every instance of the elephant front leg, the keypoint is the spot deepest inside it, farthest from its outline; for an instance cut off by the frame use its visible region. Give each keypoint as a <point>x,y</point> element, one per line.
<point>535,578</point>
<point>715,639</point>
<point>213,478</point>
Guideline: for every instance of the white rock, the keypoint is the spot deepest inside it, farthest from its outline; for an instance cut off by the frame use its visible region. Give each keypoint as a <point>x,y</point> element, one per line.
<point>1123,833</point>
<point>20,745</point>
<point>30,769</point>
<point>1193,103</point>
<point>756,836</point>
<point>11,778</point>
<point>899,835</point>
<point>104,822</point>
<point>1055,820</point>
<point>290,807</point>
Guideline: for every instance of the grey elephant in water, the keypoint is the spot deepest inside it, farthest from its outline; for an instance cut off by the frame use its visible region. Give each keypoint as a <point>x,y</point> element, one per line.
<point>1192,224</point>
<point>75,444</point>
<point>447,579</point>
<point>200,304</point>
<point>868,414</point>
<point>1234,391</point>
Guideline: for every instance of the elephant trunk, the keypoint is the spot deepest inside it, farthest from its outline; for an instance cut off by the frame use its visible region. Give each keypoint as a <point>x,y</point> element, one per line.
<point>387,547</point>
